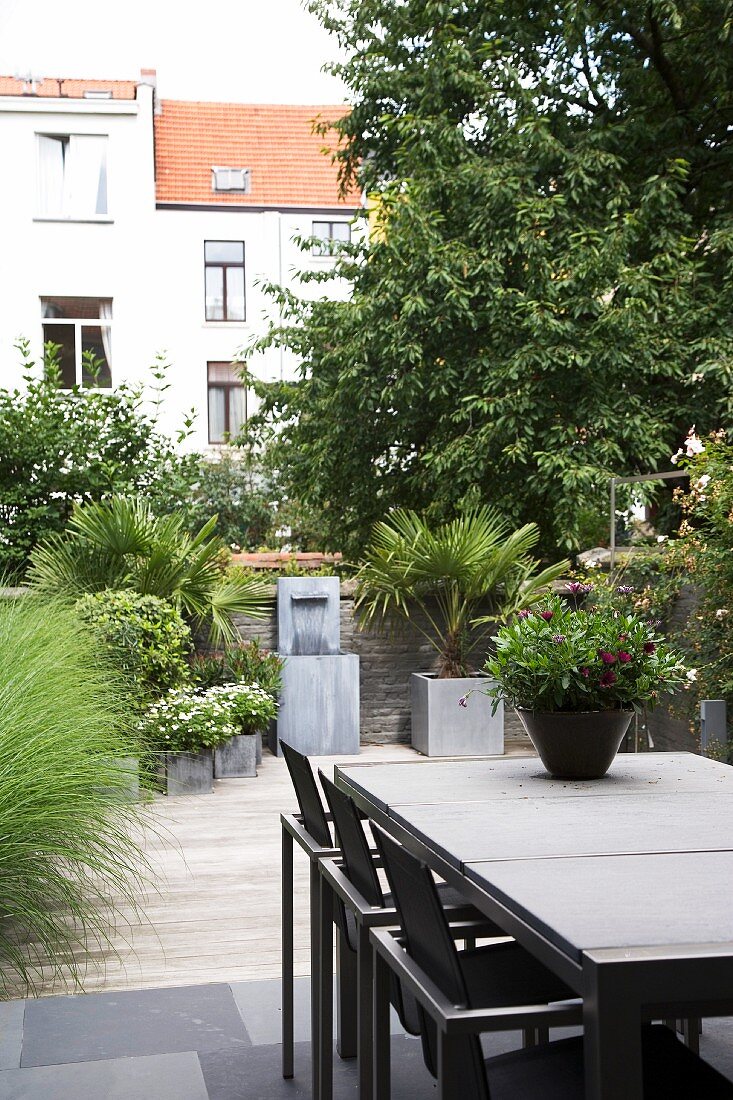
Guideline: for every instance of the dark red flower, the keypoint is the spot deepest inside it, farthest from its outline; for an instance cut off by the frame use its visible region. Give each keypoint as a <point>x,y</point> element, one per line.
<point>547,615</point>
<point>649,647</point>
<point>585,672</point>
<point>608,679</point>
<point>606,657</point>
<point>624,657</point>
<point>524,613</point>
<point>623,637</point>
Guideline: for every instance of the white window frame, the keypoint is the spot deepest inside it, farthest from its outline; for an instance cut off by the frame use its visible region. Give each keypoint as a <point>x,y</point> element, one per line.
<point>324,253</point>
<point>60,215</point>
<point>78,324</point>
<point>236,180</point>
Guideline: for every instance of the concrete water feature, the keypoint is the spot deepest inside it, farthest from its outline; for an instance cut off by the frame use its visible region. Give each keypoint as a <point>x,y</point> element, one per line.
<point>319,701</point>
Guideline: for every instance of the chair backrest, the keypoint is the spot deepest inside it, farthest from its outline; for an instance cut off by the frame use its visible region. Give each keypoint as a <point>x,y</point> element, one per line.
<point>358,859</point>
<point>306,791</point>
<point>429,942</point>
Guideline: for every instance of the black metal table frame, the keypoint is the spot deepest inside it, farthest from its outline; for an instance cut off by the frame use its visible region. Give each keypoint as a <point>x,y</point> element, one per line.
<point>619,987</point>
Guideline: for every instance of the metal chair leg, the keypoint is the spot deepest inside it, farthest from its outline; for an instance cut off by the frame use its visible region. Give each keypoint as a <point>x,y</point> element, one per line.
<point>346,1017</point>
<point>315,921</point>
<point>690,1030</point>
<point>323,1051</point>
<point>365,984</point>
<point>287,953</point>
<point>380,1029</point>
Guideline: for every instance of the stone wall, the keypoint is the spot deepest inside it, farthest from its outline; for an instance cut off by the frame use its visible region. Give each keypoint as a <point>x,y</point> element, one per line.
<point>385,664</point>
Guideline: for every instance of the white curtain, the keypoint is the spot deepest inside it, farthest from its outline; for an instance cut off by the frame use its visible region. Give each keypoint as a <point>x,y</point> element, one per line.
<point>84,168</point>
<point>50,175</point>
<point>105,314</point>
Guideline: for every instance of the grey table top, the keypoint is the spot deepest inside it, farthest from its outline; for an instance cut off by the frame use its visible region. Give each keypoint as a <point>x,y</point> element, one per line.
<point>526,828</point>
<point>433,781</point>
<point>626,901</point>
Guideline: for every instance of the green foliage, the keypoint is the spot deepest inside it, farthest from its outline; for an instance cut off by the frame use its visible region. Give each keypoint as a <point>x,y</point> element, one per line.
<point>245,663</point>
<point>58,448</point>
<point>704,552</point>
<point>188,721</point>
<point>226,486</point>
<point>145,637</point>
<point>120,543</point>
<point>545,300</point>
<point>557,658</point>
<point>66,851</point>
<point>448,572</point>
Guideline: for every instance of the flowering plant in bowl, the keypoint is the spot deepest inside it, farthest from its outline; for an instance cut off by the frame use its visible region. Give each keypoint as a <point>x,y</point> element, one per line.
<point>575,677</point>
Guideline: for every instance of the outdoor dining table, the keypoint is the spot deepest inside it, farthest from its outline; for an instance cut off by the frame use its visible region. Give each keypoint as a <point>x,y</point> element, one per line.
<point>622,885</point>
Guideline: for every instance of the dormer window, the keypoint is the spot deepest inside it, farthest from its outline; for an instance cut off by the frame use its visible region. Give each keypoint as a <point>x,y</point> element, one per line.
<point>231,179</point>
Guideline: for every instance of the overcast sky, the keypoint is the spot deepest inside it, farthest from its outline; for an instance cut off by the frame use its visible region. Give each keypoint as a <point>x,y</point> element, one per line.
<point>248,51</point>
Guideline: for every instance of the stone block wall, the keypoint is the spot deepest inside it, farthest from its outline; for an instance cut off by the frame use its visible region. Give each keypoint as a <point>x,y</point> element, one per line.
<point>385,664</point>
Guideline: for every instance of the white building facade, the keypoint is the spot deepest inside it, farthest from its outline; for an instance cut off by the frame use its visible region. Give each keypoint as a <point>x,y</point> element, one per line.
<point>133,228</point>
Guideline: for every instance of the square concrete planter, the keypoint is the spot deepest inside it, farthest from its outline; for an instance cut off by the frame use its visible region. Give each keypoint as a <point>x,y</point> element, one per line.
<point>189,772</point>
<point>130,789</point>
<point>237,759</point>
<point>441,727</point>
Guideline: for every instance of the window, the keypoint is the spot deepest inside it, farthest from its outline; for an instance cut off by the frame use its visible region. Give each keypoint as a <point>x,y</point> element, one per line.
<point>72,176</point>
<point>327,233</point>
<point>82,329</point>
<point>227,401</point>
<point>224,271</point>
<point>230,179</point>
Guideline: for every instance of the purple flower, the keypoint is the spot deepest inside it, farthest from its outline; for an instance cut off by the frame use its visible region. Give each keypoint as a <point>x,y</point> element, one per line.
<point>585,672</point>
<point>624,657</point>
<point>463,701</point>
<point>574,587</point>
<point>547,615</point>
<point>608,679</point>
<point>558,638</point>
<point>606,657</point>
<point>625,589</point>
<point>623,638</point>
<point>649,647</point>
<point>524,613</point>
<point>586,588</point>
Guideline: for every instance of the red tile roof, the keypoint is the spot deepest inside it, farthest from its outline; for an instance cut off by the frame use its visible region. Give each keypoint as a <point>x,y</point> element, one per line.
<point>287,164</point>
<point>52,87</point>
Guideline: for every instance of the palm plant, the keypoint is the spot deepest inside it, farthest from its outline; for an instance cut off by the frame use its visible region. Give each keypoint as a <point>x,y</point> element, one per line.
<point>473,562</point>
<point>119,543</point>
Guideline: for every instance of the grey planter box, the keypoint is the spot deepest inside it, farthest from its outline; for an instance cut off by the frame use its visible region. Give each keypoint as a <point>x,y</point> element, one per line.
<point>237,759</point>
<point>441,727</point>
<point>130,767</point>
<point>319,705</point>
<point>189,772</point>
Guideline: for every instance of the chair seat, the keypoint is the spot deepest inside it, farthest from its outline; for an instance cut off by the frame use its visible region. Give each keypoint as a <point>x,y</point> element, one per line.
<point>506,974</point>
<point>554,1071</point>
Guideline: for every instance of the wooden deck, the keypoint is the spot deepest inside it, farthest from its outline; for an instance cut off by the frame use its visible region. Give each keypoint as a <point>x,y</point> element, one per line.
<point>214,914</point>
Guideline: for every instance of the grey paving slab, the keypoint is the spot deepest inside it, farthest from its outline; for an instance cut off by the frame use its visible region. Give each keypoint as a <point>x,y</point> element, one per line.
<point>158,1077</point>
<point>11,1033</point>
<point>259,1004</point>
<point>431,781</point>
<point>130,1024</point>
<point>618,901</point>
<point>466,832</point>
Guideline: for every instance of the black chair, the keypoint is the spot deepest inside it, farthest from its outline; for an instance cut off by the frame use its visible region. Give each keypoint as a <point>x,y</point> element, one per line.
<point>354,883</point>
<point>312,832</point>
<point>454,1012</point>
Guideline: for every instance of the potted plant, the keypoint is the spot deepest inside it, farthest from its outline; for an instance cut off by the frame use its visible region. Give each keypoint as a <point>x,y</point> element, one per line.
<point>439,579</point>
<point>575,678</point>
<point>253,708</point>
<point>185,727</point>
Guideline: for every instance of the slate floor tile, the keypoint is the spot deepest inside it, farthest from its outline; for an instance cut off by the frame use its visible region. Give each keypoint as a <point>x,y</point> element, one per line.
<point>157,1077</point>
<point>132,1023</point>
<point>11,1033</point>
<point>259,1005</point>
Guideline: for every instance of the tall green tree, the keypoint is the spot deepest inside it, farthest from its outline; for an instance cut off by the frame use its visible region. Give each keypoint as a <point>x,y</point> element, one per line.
<point>546,296</point>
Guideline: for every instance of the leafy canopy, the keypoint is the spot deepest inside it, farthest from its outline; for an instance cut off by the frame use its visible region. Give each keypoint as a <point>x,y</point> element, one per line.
<point>545,300</point>
<point>449,572</point>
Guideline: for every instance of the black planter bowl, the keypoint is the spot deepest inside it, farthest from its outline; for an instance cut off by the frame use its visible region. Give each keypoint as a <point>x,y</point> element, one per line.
<point>578,745</point>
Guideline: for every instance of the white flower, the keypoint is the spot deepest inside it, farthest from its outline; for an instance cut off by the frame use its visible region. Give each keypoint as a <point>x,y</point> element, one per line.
<point>692,675</point>
<point>693,444</point>
<point>721,613</point>
<point>676,457</point>
<point>703,481</point>
<point>662,538</point>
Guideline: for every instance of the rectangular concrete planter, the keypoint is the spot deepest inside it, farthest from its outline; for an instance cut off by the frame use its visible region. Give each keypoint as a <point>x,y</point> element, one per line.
<point>319,705</point>
<point>189,772</point>
<point>441,727</point>
<point>130,790</point>
<point>237,759</point>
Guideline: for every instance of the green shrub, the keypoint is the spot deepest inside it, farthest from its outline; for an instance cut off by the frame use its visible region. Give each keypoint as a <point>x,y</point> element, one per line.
<point>65,825</point>
<point>247,663</point>
<point>144,635</point>
<point>187,721</point>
